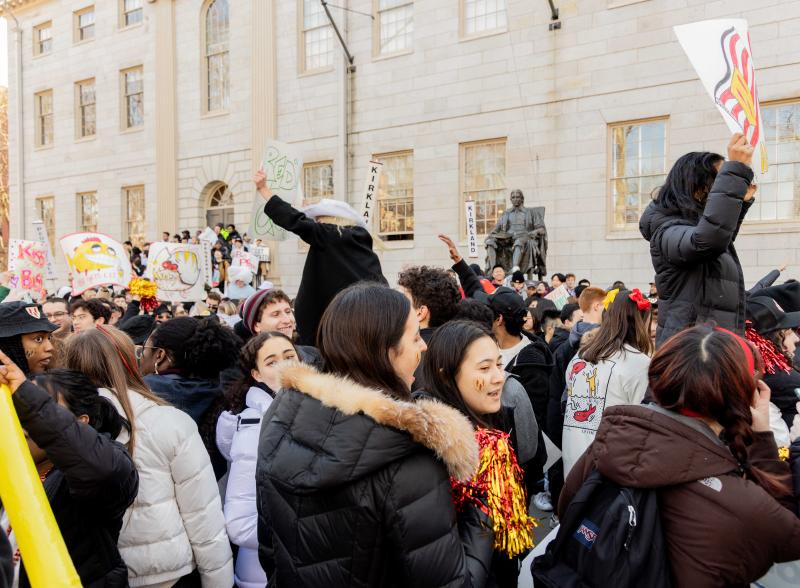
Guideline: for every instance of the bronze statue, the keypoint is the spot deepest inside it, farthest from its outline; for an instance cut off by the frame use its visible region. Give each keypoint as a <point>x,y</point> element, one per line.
<point>519,240</point>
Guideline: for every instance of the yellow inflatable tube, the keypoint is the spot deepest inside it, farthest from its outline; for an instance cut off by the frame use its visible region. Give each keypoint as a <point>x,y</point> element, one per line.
<point>41,546</point>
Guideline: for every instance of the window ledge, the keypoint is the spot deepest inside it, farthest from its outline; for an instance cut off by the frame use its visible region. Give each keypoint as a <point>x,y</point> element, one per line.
<point>623,235</point>
<point>622,3</point>
<point>131,130</point>
<point>390,245</point>
<point>129,27</point>
<point>770,227</point>
<point>40,55</point>
<point>214,114</point>
<point>385,56</point>
<point>86,139</point>
<point>482,35</point>
<point>44,147</point>
<point>84,42</point>
<point>314,72</point>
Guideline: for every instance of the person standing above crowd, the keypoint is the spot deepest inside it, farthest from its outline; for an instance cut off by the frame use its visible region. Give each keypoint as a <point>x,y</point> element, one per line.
<point>175,530</point>
<point>89,479</point>
<point>691,226</point>
<point>238,430</point>
<point>724,497</point>
<point>353,480</point>
<point>498,276</point>
<point>340,253</point>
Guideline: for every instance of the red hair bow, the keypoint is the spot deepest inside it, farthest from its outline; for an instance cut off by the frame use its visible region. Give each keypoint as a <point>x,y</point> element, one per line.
<point>642,303</point>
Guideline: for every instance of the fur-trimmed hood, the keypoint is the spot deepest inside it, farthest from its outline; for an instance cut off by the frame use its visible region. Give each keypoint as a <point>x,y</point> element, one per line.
<point>359,430</point>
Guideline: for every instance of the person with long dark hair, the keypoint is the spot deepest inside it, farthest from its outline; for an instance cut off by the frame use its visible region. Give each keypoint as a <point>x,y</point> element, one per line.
<point>463,368</point>
<point>238,429</point>
<point>610,369</point>
<point>90,480</point>
<point>706,446</point>
<point>353,479</point>
<point>691,226</point>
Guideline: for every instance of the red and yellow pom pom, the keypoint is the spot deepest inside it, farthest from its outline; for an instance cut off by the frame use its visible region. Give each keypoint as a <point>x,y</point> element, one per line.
<point>783,453</point>
<point>499,482</point>
<point>146,291</point>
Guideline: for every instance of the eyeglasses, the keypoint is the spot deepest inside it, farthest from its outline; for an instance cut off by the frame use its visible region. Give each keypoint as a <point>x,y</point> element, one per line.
<point>56,315</point>
<point>139,350</point>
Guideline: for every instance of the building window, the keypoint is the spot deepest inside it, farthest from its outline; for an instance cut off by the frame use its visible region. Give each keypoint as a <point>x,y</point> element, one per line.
<point>396,196</point>
<point>316,46</point>
<point>45,210</point>
<point>43,106</point>
<point>133,197</point>
<point>43,38</point>
<point>217,61</point>
<point>483,179</point>
<point>130,12</point>
<point>133,101</point>
<point>317,181</point>
<point>479,17</point>
<point>84,24</point>
<point>85,117</point>
<point>638,168</point>
<point>220,207</point>
<point>778,196</point>
<point>87,212</point>
<point>395,25</point>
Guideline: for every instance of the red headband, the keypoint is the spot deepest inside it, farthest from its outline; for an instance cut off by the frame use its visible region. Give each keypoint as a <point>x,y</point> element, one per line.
<point>107,335</point>
<point>748,352</point>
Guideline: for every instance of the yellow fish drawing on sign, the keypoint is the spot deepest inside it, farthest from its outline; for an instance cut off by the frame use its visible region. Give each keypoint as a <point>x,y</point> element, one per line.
<point>93,255</point>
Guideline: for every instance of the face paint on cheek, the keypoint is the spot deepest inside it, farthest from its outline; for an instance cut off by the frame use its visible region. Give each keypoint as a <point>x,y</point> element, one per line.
<point>28,353</point>
<point>479,385</point>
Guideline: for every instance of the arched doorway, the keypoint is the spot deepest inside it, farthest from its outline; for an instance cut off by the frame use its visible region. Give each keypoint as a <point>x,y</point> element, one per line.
<point>219,204</point>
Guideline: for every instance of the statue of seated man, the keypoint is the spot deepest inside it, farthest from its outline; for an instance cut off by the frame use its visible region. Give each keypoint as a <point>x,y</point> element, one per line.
<point>522,230</point>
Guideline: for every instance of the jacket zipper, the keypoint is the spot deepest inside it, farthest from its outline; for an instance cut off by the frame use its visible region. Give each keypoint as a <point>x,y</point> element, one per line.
<point>631,517</point>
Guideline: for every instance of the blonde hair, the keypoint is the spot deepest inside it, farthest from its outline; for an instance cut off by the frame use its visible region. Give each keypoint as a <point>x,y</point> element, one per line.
<point>228,307</point>
<point>106,356</point>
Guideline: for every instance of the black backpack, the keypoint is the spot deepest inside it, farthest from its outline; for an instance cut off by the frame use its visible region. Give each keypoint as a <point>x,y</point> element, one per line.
<point>609,536</point>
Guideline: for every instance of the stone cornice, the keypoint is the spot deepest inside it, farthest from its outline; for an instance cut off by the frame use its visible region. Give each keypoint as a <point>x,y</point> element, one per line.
<point>5,5</point>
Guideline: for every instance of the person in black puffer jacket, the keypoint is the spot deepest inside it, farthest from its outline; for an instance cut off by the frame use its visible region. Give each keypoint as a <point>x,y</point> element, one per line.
<point>353,479</point>
<point>691,227</point>
<point>90,480</point>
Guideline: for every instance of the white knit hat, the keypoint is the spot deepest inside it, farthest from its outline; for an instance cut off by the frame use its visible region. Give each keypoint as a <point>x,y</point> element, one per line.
<point>329,207</point>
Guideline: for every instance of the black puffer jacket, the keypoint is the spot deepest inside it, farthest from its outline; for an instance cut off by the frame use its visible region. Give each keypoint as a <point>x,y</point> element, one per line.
<point>698,274</point>
<point>91,485</point>
<point>338,257</point>
<point>782,386</point>
<point>532,366</point>
<point>350,491</point>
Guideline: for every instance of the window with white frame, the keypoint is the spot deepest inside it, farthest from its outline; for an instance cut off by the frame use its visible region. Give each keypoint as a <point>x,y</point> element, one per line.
<point>43,107</point>
<point>43,38</point>
<point>483,179</point>
<point>396,196</point>
<point>317,181</point>
<point>84,24</point>
<point>316,46</point>
<point>133,97</point>
<point>85,109</point>
<point>131,12</point>
<point>479,17</point>
<point>217,58</point>
<point>395,24</point>
<point>133,198</point>
<point>778,196</point>
<point>638,167</point>
<point>87,212</point>
<point>45,210</point>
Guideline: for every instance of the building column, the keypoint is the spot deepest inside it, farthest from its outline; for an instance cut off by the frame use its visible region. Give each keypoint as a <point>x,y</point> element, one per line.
<point>263,96</point>
<point>165,119</point>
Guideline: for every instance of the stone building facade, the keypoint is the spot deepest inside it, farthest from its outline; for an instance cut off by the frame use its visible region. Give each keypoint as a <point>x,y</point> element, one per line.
<point>459,98</point>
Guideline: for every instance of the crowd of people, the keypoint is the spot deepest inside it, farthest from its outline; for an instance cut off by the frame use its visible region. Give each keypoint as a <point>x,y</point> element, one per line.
<point>363,435</point>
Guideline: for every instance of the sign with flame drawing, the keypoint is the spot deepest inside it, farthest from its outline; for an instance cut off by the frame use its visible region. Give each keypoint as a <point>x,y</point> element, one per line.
<point>720,53</point>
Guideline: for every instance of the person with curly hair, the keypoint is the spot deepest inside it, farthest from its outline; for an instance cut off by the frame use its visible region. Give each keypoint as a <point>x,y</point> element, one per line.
<point>433,294</point>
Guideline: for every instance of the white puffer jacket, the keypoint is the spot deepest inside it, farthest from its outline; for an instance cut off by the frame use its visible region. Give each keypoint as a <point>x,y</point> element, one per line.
<point>237,440</point>
<point>176,522</point>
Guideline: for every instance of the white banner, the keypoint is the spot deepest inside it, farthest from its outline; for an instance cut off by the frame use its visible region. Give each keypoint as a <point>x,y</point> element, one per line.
<point>283,165</point>
<point>720,53</point>
<point>369,198</point>
<point>472,230</point>
<point>42,237</point>
<point>242,258</point>
<point>179,271</point>
<point>95,260</point>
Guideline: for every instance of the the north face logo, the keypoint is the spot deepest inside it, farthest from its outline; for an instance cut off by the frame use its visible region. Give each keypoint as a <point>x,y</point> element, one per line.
<point>33,311</point>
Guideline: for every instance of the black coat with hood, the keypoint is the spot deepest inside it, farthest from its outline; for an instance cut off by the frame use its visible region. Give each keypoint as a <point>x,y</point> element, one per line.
<point>353,489</point>
<point>532,367</point>
<point>92,483</point>
<point>698,274</point>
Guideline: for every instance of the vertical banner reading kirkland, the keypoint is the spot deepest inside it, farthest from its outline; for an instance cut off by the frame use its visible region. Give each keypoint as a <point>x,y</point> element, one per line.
<point>370,190</point>
<point>472,230</point>
<point>720,53</point>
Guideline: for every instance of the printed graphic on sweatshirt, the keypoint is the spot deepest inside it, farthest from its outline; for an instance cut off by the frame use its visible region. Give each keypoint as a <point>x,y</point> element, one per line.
<point>587,386</point>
